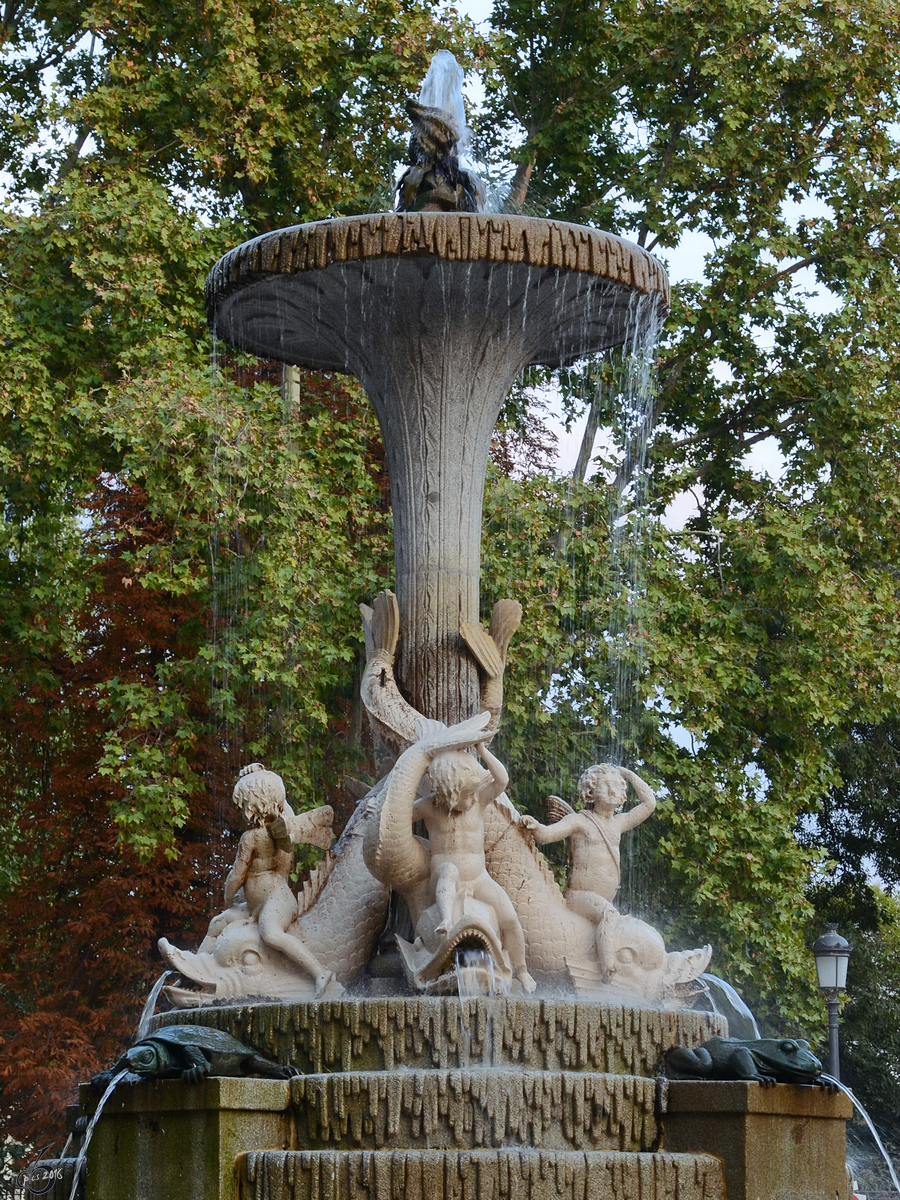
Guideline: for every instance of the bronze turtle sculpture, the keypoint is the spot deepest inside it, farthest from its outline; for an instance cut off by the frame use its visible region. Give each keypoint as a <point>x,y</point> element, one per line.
<point>191,1052</point>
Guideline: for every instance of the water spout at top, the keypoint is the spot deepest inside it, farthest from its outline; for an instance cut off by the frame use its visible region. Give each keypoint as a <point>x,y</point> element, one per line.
<point>436,180</point>
<point>442,89</point>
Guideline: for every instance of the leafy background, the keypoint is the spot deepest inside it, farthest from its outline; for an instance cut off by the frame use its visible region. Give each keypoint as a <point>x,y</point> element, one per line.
<point>184,548</point>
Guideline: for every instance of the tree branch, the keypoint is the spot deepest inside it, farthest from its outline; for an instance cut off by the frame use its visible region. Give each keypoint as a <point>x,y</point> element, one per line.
<point>585,453</point>
<point>518,189</point>
<point>734,424</point>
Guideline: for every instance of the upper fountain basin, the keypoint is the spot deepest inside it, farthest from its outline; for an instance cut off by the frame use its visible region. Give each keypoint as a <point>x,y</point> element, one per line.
<point>304,295</point>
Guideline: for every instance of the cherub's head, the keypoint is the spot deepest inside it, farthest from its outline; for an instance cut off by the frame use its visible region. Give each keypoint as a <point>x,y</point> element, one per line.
<point>602,787</point>
<point>455,775</point>
<point>259,794</point>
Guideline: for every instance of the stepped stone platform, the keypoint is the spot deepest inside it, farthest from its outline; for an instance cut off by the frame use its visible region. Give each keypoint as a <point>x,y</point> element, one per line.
<point>428,1097</point>
<point>486,1107</point>
<point>487,1099</point>
<point>477,1175</point>
<point>442,1032</point>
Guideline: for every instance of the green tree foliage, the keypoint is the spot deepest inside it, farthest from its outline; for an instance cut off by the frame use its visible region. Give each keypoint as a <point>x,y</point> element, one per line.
<point>79,910</point>
<point>858,821</point>
<point>183,549</point>
<point>765,135</point>
<point>857,825</point>
<point>870,1015</point>
<point>279,111</point>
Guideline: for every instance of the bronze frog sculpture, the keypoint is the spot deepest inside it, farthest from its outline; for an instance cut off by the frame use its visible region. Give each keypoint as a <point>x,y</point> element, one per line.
<point>763,1060</point>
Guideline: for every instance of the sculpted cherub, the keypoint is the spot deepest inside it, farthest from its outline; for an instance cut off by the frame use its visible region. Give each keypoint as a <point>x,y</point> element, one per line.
<point>454,817</point>
<point>263,865</point>
<point>452,899</point>
<point>595,833</point>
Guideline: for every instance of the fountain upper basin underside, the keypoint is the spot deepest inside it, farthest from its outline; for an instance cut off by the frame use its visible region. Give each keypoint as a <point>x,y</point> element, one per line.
<point>312,294</point>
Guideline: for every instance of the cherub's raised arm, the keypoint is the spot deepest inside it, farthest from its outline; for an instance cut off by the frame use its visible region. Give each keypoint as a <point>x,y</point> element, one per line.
<point>551,833</point>
<point>238,873</point>
<point>496,786</point>
<point>646,801</point>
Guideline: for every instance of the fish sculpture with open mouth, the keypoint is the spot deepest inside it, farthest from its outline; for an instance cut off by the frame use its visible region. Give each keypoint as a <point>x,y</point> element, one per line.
<point>453,901</point>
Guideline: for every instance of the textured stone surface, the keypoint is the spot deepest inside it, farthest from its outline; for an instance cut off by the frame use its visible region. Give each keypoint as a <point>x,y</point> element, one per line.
<point>427,1032</point>
<point>168,1140</point>
<point>782,1141</point>
<point>485,1107</point>
<point>448,237</point>
<point>739,1096</point>
<point>436,314</point>
<point>219,1093</point>
<point>477,1175</point>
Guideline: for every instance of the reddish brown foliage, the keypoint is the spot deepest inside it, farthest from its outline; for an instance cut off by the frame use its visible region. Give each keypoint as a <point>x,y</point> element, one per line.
<point>527,446</point>
<point>78,932</point>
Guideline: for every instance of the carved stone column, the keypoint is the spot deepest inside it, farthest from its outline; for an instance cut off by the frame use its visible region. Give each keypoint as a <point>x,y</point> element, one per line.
<point>436,314</point>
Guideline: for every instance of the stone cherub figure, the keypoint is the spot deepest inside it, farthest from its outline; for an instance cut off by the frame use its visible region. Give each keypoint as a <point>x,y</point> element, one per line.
<point>594,834</point>
<point>454,817</point>
<point>452,899</point>
<point>262,869</point>
<point>630,953</point>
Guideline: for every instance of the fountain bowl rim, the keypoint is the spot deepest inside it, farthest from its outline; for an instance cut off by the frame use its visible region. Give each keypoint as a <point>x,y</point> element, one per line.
<point>499,238</point>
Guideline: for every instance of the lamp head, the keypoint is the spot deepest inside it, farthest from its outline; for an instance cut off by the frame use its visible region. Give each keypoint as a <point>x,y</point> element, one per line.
<point>832,953</point>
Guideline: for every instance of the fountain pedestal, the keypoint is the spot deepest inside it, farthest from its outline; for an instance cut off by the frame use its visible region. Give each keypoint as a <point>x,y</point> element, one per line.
<point>420,1098</point>
<point>537,1100</point>
<point>164,1140</point>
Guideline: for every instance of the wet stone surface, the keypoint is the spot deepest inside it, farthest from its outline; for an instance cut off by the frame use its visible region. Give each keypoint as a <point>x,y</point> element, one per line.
<point>475,1108</point>
<point>427,1032</point>
<point>478,1175</point>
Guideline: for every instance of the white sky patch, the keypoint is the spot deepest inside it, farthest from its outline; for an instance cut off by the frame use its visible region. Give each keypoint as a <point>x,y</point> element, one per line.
<point>682,508</point>
<point>478,10</point>
<point>686,262</point>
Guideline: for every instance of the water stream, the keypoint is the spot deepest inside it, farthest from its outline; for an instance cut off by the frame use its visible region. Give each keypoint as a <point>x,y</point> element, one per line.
<point>868,1120</point>
<point>476,976</point>
<point>442,88</point>
<point>89,1132</point>
<point>725,1001</point>
<point>601,703</point>
<point>632,400</point>
<point>149,1009</point>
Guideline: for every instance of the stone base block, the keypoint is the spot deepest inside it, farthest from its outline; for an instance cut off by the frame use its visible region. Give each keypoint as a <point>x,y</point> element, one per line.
<point>477,1175</point>
<point>785,1141</point>
<point>168,1140</point>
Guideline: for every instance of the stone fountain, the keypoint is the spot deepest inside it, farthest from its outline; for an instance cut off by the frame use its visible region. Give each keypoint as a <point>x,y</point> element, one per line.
<point>532,1072</point>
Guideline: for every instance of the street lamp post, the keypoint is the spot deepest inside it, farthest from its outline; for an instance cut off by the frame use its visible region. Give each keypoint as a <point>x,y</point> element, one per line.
<point>832,953</point>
